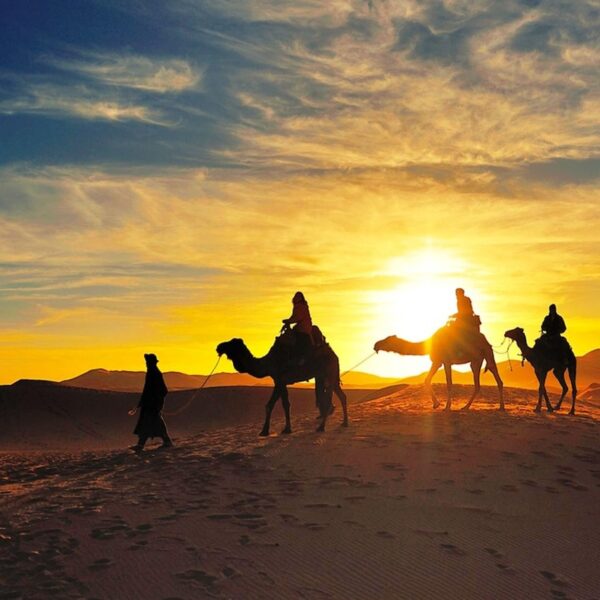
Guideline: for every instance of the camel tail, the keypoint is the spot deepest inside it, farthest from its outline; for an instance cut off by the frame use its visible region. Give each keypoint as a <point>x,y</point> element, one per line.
<point>490,360</point>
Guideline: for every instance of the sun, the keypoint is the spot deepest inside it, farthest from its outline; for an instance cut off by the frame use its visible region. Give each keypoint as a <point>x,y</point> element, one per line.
<point>421,297</point>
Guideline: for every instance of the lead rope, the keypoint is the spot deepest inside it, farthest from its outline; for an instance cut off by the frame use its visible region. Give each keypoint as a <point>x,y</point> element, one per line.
<point>358,364</point>
<point>193,397</point>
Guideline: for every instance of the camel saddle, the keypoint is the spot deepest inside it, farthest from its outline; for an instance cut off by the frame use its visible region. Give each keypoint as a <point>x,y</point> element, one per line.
<point>554,345</point>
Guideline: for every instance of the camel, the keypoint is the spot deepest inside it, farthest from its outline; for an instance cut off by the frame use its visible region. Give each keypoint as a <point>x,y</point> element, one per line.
<point>445,348</point>
<point>543,360</point>
<point>325,368</point>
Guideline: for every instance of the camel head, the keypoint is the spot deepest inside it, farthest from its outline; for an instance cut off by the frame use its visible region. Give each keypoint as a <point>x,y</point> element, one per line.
<point>385,344</point>
<point>235,350</point>
<point>515,334</point>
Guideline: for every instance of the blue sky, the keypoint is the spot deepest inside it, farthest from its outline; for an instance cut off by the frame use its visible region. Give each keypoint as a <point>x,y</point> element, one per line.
<point>164,160</point>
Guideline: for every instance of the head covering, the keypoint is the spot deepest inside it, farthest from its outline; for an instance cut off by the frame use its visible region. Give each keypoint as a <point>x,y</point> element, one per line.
<point>298,297</point>
<point>460,291</point>
<point>552,307</point>
<point>151,358</point>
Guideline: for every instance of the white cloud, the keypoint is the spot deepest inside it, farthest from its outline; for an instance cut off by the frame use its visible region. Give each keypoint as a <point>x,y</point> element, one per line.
<point>133,71</point>
<point>80,102</point>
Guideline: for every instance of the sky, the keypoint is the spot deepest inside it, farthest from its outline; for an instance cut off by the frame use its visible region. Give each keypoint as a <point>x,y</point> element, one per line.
<point>172,172</point>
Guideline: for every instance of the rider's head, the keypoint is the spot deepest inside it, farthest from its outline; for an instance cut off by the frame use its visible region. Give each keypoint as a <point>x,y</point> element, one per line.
<point>460,292</point>
<point>298,297</point>
<point>151,359</point>
<point>552,309</point>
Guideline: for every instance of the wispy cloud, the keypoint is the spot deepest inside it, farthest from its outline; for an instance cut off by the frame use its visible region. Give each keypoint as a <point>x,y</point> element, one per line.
<point>132,71</point>
<point>78,102</point>
<point>105,90</point>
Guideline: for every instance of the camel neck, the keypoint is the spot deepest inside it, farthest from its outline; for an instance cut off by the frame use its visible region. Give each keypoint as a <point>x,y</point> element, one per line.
<point>524,347</point>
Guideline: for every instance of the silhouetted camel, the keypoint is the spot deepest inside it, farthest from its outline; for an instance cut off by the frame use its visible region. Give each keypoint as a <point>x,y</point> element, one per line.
<point>325,368</point>
<point>444,348</point>
<point>542,360</point>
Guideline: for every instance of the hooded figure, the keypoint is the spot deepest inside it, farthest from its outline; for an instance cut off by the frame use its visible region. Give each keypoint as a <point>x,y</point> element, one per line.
<point>553,324</point>
<point>303,329</point>
<point>150,423</point>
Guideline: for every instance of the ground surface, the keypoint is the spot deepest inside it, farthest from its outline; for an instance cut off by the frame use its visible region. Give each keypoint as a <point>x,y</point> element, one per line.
<point>405,503</point>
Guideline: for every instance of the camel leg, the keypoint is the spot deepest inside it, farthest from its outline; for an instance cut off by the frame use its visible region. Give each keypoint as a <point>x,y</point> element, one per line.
<point>427,383</point>
<point>572,376</point>
<point>286,408</point>
<point>544,393</point>
<point>493,369</point>
<point>560,377</point>
<point>448,370</point>
<point>269,409</point>
<point>325,394</point>
<point>476,369</point>
<point>540,378</point>
<point>342,397</point>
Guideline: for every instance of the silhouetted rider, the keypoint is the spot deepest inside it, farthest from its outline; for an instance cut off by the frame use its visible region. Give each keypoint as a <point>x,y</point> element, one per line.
<point>465,317</point>
<point>303,329</point>
<point>464,306</point>
<point>553,324</point>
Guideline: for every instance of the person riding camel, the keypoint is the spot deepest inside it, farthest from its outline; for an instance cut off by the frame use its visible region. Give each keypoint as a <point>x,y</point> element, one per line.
<point>465,317</point>
<point>303,329</point>
<point>553,326</point>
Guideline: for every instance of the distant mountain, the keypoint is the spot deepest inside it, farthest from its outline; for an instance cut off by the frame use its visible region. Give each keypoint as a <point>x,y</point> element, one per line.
<point>515,375</point>
<point>133,381</point>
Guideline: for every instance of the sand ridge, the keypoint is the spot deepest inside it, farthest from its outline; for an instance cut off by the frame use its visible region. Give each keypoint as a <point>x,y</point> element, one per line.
<point>405,503</point>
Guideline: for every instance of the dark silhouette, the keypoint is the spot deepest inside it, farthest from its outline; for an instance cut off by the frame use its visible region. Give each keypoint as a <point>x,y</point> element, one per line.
<point>150,423</point>
<point>302,332</point>
<point>448,346</point>
<point>544,358</point>
<point>465,317</point>
<point>280,365</point>
<point>553,324</point>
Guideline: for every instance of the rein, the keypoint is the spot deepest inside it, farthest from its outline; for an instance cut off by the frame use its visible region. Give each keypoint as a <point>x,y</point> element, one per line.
<point>358,364</point>
<point>506,352</point>
<point>193,397</point>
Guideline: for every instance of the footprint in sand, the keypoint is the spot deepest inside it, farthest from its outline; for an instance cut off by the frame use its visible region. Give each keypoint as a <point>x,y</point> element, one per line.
<point>198,576</point>
<point>313,594</point>
<point>572,484</point>
<point>101,563</point>
<point>452,549</point>
<point>555,579</point>
<point>230,572</point>
<point>314,526</point>
<point>509,488</point>
<point>386,534</point>
<point>529,482</point>
<point>287,518</point>
<point>430,533</point>
<point>507,569</point>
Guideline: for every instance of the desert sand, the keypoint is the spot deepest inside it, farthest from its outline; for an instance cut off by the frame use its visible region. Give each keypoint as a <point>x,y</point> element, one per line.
<point>405,503</point>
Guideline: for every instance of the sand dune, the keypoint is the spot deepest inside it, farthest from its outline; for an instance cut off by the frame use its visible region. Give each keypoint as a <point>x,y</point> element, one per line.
<point>42,414</point>
<point>405,503</point>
